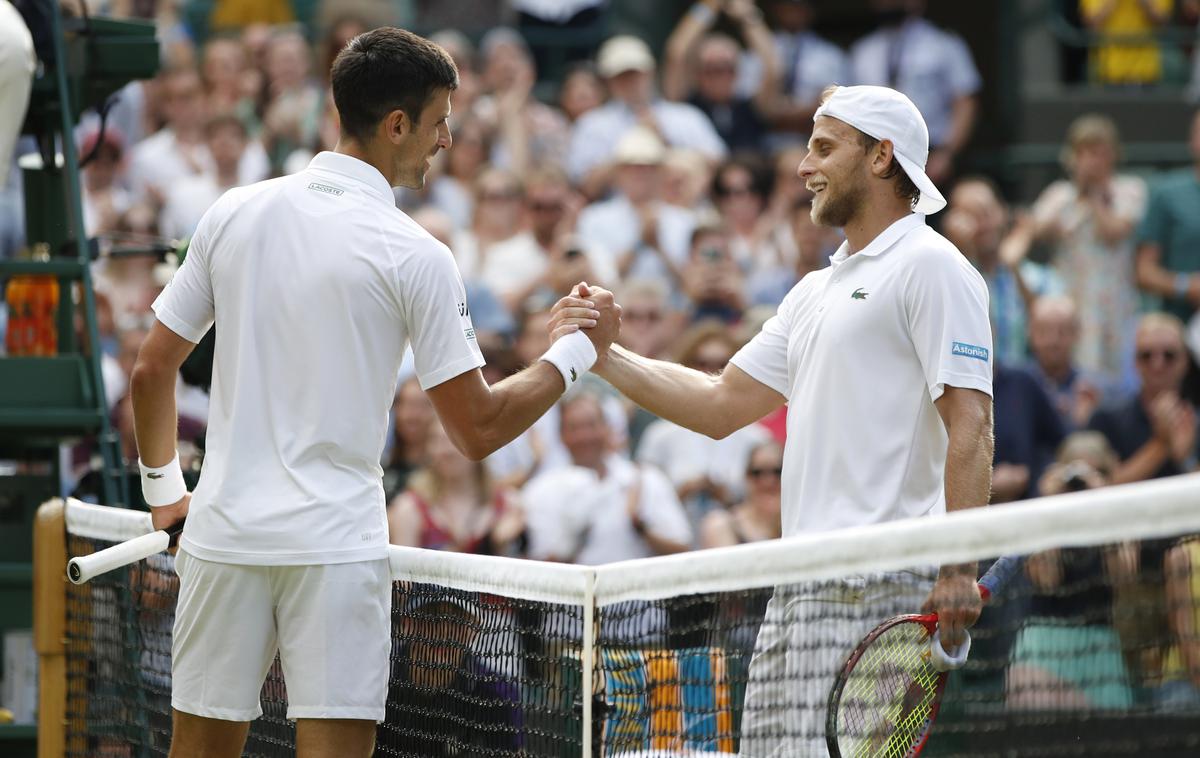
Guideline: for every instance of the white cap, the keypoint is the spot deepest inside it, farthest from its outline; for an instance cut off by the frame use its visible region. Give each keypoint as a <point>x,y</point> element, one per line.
<point>885,114</point>
<point>624,53</point>
<point>640,147</point>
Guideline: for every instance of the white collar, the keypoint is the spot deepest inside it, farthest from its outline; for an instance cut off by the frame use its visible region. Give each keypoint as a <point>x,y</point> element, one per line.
<point>355,169</point>
<point>883,241</point>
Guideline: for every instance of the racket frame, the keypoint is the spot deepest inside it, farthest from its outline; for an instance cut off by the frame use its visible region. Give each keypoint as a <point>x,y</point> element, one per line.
<point>929,622</point>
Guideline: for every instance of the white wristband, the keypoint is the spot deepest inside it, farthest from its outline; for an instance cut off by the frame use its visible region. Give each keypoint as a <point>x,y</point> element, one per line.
<point>162,485</point>
<point>943,661</point>
<point>572,355</point>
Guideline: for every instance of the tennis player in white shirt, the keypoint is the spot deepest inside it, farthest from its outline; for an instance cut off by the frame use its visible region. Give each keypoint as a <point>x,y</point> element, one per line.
<point>884,359</point>
<point>317,284</point>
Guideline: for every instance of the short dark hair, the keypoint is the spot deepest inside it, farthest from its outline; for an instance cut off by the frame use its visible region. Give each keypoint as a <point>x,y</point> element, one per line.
<point>387,69</point>
<point>905,187</point>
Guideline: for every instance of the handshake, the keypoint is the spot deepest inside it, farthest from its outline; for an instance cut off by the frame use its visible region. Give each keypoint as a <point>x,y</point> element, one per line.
<point>592,310</point>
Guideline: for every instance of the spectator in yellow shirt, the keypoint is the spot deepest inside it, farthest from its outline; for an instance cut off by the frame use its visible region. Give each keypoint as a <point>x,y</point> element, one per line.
<point>1128,52</point>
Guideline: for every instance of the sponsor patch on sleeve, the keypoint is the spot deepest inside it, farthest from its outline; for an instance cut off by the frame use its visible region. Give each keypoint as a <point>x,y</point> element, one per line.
<point>969,351</point>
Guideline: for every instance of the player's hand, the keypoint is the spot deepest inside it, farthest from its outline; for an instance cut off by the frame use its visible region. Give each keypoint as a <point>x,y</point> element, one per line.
<point>166,516</point>
<point>956,600</point>
<point>608,325</point>
<point>570,314</point>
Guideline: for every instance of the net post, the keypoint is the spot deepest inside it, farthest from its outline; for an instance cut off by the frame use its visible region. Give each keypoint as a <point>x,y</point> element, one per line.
<point>588,652</point>
<point>50,626</point>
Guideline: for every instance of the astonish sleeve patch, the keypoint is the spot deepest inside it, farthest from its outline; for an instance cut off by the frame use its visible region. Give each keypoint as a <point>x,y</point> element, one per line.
<point>969,351</point>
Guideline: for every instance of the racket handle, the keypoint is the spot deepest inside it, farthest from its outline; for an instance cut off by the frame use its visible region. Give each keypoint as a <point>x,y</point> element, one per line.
<point>87,567</point>
<point>998,575</point>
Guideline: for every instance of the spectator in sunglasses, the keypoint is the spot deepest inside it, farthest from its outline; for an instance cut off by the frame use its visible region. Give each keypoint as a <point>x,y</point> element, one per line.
<point>1153,430</point>
<point>757,516</point>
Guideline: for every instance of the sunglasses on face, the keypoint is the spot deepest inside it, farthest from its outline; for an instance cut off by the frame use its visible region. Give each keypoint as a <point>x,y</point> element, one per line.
<point>757,473</point>
<point>1168,356</point>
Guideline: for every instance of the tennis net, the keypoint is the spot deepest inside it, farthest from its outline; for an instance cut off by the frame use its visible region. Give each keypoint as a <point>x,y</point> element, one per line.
<point>1093,649</point>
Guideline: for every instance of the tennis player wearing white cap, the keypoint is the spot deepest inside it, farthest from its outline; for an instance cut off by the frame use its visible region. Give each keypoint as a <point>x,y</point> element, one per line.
<point>884,359</point>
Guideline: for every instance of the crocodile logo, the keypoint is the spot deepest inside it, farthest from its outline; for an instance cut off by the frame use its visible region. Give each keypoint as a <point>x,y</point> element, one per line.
<point>153,475</point>
<point>574,376</point>
<point>858,294</point>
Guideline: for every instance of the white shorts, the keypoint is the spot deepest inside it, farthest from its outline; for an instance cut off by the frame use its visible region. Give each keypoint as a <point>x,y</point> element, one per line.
<point>330,624</point>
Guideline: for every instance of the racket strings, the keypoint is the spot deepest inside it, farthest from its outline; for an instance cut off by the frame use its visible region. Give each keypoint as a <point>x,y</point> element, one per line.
<point>888,698</point>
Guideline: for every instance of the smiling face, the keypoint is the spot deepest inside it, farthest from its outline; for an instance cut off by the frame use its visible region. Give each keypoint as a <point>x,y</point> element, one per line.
<point>416,142</point>
<point>836,171</point>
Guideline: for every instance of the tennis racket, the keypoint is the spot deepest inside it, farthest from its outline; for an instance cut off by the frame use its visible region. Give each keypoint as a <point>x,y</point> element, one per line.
<point>84,568</point>
<point>887,694</point>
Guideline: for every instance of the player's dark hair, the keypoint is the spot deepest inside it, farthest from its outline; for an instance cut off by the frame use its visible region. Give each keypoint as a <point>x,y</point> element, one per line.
<point>904,185</point>
<point>387,69</point>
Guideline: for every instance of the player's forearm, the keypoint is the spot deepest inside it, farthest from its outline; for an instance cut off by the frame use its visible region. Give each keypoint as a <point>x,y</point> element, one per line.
<point>511,407</point>
<point>155,420</point>
<point>969,465</point>
<point>670,391</point>
<point>968,472</point>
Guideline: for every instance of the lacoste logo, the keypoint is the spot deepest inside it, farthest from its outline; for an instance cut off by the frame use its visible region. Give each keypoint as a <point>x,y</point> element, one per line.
<point>153,475</point>
<point>574,376</point>
<point>969,351</point>
<point>325,188</point>
<point>858,294</point>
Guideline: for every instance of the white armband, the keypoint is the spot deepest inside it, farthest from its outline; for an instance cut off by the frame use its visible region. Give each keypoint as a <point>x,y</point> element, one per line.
<point>572,355</point>
<point>943,661</point>
<point>162,485</point>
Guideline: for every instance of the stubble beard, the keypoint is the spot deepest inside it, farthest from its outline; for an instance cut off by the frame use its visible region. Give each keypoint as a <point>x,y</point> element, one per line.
<point>837,210</point>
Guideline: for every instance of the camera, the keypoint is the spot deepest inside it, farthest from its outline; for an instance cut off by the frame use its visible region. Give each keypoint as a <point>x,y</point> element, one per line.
<point>1075,476</point>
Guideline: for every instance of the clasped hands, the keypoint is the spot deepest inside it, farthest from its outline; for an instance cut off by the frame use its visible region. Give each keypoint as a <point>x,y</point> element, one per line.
<point>592,309</point>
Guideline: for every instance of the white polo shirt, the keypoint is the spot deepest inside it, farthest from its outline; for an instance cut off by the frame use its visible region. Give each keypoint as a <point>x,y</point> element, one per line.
<point>861,350</point>
<point>317,284</point>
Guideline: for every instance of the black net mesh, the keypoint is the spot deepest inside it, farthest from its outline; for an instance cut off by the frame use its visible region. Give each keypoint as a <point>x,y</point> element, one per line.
<point>472,674</point>
<point>1088,652</point>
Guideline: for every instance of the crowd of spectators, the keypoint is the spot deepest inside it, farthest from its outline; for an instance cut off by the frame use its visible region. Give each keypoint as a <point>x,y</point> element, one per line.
<point>671,179</point>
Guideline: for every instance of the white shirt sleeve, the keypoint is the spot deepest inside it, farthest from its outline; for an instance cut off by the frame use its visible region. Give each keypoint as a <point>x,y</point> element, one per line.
<point>765,358</point>
<point>186,306</point>
<point>439,324</point>
<point>660,508</point>
<point>946,305</point>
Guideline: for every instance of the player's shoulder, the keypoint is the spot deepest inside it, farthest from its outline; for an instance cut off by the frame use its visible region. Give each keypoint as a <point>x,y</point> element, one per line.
<point>929,253</point>
<point>411,240</point>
